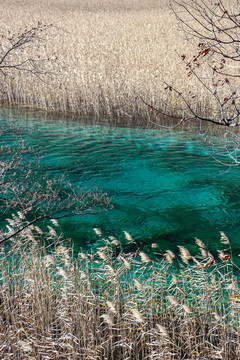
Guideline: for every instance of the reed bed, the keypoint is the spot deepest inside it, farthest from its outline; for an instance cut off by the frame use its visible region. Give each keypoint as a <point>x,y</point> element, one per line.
<point>108,304</point>
<point>102,55</point>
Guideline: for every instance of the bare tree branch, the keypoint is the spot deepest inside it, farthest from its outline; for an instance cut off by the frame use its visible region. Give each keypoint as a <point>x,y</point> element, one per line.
<point>25,189</point>
<point>17,49</point>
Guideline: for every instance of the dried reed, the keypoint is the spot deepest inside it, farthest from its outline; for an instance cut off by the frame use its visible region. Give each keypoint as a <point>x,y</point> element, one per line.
<point>104,54</point>
<point>106,307</point>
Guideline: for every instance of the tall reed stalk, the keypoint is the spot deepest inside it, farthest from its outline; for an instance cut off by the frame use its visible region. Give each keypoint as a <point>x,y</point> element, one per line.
<point>110,305</point>
<point>106,54</point>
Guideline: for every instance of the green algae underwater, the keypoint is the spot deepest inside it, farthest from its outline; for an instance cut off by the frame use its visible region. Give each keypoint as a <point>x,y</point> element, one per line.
<point>166,185</point>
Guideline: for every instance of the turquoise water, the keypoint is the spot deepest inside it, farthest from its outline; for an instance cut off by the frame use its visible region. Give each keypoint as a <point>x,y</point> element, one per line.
<point>164,185</point>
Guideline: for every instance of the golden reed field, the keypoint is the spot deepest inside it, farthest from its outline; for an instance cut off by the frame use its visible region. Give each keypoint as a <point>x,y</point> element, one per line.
<point>101,54</point>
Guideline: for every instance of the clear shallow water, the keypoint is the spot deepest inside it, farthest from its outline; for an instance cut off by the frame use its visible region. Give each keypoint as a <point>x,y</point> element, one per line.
<point>164,186</point>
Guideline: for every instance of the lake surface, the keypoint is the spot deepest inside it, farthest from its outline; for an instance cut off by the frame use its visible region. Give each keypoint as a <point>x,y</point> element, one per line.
<point>164,184</point>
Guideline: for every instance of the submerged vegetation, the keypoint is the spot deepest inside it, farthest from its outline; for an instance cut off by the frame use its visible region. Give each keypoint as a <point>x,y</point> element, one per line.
<point>115,305</point>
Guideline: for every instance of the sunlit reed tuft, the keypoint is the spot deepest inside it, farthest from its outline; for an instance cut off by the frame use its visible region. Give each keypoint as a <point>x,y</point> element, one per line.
<point>58,305</point>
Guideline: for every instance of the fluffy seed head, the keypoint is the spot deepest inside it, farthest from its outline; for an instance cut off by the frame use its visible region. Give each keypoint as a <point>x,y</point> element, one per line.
<point>98,231</point>
<point>83,256</point>
<point>204,253</point>
<point>169,256</point>
<point>126,263</point>
<point>38,230</point>
<point>111,307</point>
<point>48,260</point>
<point>128,237</point>
<point>223,256</point>
<point>61,272</point>
<point>107,319</point>
<point>54,222</point>
<point>200,243</point>
<point>137,316</point>
<point>172,300</point>
<point>163,331</point>
<point>21,215</point>
<point>52,232</point>
<point>102,255</point>
<point>138,285</point>
<point>115,242</point>
<point>11,222</point>
<point>185,254</point>
<point>110,269</point>
<point>186,309</point>
<point>231,286</point>
<point>216,316</point>
<point>144,257</point>
<point>174,279</point>
<point>224,239</point>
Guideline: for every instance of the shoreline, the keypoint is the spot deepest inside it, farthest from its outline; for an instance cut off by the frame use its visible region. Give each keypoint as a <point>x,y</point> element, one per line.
<point>138,122</point>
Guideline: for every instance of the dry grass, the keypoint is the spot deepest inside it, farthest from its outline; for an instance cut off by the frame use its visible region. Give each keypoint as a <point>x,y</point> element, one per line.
<point>111,305</point>
<point>108,52</point>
